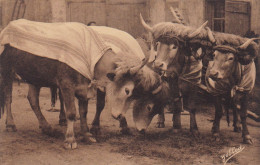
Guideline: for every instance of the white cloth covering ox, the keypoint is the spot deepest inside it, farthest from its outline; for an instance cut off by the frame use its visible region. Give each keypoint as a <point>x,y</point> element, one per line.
<point>75,44</point>
<point>119,40</point>
<point>72,43</point>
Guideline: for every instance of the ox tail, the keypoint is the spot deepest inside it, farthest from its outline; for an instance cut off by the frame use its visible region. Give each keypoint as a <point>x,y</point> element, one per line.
<point>2,95</point>
<point>2,100</point>
<point>54,96</point>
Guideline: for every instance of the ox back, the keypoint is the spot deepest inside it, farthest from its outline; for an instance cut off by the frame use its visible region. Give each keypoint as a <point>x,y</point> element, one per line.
<point>39,71</point>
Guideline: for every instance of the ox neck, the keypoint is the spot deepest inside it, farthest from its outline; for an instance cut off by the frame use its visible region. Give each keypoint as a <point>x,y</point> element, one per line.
<point>105,65</point>
<point>177,64</point>
<point>236,74</point>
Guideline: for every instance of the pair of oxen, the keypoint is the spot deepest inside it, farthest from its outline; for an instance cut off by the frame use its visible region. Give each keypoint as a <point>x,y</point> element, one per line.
<point>150,84</point>
<point>230,74</point>
<point>119,78</point>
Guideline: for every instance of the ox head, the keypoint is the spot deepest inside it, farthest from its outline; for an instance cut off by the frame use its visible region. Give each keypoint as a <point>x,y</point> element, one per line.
<point>128,84</point>
<point>226,57</point>
<point>146,107</point>
<point>168,45</point>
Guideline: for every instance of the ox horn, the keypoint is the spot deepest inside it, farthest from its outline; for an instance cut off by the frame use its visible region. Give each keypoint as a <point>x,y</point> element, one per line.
<point>246,44</point>
<point>135,69</point>
<point>210,35</point>
<point>197,31</point>
<point>175,15</point>
<point>145,25</point>
<point>157,90</point>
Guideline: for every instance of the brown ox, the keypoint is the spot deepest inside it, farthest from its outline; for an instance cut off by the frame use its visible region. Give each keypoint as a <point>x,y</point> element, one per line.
<point>95,129</point>
<point>246,49</point>
<point>231,76</point>
<point>177,57</point>
<point>113,70</point>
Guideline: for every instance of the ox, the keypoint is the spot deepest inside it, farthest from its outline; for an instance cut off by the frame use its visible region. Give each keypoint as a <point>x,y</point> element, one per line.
<point>112,72</point>
<point>177,57</point>
<point>231,75</point>
<point>168,51</point>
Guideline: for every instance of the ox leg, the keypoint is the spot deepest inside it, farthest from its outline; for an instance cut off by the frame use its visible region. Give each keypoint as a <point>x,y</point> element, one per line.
<point>161,120</point>
<point>83,110</point>
<point>33,97</point>
<point>8,87</point>
<point>243,115</point>
<point>62,116</point>
<point>176,107</point>
<point>53,98</point>
<point>123,123</point>
<point>68,95</point>
<point>175,104</point>
<point>193,123</point>
<point>124,127</point>
<point>95,129</point>
<point>236,122</point>
<point>218,115</point>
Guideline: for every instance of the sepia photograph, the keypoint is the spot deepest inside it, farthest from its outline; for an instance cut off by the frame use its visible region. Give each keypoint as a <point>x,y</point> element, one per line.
<point>129,82</point>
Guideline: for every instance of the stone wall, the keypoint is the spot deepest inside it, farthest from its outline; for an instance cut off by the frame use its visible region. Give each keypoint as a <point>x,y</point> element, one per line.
<point>158,11</point>
<point>36,10</point>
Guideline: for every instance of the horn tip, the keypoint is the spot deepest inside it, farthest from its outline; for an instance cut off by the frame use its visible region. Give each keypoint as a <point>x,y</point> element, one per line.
<point>205,23</point>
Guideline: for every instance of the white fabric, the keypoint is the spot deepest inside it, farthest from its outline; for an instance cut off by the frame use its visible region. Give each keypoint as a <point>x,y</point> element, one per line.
<point>75,44</point>
<point>72,43</point>
<point>120,41</point>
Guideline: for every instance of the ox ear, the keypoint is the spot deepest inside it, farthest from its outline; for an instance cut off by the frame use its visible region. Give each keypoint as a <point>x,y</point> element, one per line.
<point>111,76</point>
<point>245,59</point>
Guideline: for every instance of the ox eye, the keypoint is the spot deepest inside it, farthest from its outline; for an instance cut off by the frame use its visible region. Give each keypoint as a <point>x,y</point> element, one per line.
<point>127,91</point>
<point>172,46</point>
<point>230,58</point>
<point>149,107</point>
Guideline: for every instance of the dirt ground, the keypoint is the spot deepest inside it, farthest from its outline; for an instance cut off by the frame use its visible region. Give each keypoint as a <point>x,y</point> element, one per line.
<point>160,146</point>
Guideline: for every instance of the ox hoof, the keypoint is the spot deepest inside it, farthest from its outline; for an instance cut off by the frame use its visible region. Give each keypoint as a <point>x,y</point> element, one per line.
<point>195,134</point>
<point>175,130</point>
<point>247,139</point>
<point>47,130</point>
<point>63,122</point>
<point>88,137</point>
<point>11,128</point>
<point>70,145</point>
<point>216,137</point>
<point>237,129</point>
<point>95,130</point>
<point>160,125</point>
<point>125,131</point>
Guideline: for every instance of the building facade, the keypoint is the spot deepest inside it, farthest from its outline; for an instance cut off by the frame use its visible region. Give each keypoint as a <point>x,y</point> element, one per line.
<point>231,16</point>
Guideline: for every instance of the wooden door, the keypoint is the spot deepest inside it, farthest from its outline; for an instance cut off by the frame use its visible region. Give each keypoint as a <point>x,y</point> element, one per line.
<point>120,14</point>
<point>124,15</point>
<point>215,14</point>
<point>237,17</point>
<point>85,11</point>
